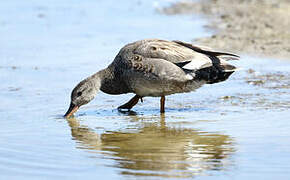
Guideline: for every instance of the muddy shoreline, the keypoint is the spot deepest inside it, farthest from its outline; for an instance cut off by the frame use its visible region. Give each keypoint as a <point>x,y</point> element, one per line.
<point>257,28</point>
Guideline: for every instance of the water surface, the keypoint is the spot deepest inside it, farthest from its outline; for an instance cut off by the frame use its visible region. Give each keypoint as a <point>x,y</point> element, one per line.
<point>236,129</point>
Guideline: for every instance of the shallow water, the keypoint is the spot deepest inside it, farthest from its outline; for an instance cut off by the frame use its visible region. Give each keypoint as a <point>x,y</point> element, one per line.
<point>236,129</point>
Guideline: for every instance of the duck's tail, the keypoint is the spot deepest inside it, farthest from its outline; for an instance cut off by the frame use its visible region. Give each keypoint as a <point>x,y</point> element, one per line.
<point>218,72</point>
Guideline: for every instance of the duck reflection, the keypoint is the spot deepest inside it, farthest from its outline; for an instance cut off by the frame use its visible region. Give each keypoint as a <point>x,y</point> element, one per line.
<point>154,149</point>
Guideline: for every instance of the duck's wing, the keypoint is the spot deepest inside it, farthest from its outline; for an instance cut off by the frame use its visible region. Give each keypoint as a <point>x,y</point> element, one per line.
<point>184,55</point>
<point>172,60</point>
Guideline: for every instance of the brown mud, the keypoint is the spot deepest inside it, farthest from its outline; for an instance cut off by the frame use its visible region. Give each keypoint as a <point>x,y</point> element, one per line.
<point>248,26</point>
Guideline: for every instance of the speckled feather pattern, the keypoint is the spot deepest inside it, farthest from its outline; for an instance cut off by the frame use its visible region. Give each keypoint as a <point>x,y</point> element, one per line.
<point>153,67</point>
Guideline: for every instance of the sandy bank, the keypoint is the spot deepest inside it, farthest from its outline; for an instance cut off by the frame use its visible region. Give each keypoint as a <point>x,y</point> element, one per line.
<point>255,27</point>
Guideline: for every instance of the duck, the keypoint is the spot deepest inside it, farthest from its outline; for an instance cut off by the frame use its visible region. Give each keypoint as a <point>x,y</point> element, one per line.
<point>154,68</point>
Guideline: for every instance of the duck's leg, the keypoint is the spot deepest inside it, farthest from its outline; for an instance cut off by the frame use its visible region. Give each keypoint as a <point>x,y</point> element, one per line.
<point>162,104</point>
<point>132,102</point>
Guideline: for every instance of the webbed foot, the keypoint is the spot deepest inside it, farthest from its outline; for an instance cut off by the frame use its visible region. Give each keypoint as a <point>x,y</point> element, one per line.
<point>131,103</point>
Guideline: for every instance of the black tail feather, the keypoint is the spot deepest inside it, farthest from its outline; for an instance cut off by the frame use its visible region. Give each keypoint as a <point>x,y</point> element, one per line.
<point>212,74</point>
<point>218,71</point>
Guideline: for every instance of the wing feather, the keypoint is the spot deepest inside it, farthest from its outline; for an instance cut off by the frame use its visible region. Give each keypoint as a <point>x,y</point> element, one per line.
<point>203,51</point>
<point>181,54</point>
<point>184,55</point>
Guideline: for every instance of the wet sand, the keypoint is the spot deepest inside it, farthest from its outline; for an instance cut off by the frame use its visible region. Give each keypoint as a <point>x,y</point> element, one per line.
<point>244,26</point>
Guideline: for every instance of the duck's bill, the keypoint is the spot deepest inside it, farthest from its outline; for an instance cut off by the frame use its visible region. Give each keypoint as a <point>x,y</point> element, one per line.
<point>71,110</point>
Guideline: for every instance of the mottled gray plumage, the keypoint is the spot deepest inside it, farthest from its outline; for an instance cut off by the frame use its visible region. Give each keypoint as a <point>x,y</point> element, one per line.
<point>154,67</point>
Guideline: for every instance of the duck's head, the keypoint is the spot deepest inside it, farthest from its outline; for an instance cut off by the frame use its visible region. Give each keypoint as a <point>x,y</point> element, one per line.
<point>82,94</point>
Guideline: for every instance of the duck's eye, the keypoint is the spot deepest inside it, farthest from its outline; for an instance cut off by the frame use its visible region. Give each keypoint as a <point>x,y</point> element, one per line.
<point>79,93</point>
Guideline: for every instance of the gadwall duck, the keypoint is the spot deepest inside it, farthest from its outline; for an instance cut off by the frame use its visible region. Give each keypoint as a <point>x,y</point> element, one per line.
<point>156,68</point>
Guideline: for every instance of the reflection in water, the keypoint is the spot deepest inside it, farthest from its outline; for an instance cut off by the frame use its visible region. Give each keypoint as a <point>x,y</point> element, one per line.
<point>157,150</point>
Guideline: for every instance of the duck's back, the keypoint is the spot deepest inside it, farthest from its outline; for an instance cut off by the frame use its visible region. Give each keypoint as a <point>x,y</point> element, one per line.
<point>155,67</point>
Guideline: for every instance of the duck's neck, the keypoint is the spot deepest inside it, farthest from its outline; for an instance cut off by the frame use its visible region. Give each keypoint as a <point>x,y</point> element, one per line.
<point>109,81</point>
